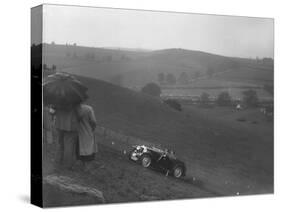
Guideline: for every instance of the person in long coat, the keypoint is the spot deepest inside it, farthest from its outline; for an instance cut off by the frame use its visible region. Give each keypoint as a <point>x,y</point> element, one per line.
<point>87,144</point>
<point>67,128</point>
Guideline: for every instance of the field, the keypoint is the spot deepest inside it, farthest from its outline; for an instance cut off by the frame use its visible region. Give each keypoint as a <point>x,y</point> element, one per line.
<point>227,152</point>
<point>213,148</point>
<point>233,81</point>
<point>226,155</point>
<point>243,149</point>
<point>234,92</point>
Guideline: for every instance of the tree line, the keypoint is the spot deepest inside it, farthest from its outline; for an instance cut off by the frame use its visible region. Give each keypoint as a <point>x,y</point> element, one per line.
<point>171,79</point>
<point>250,97</point>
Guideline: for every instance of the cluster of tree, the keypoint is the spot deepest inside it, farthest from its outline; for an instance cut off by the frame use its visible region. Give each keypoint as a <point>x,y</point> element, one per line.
<point>265,61</point>
<point>171,79</point>
<point>71,53</point>
<point>152,89</point>
<point>90,56</point>
<point>204,98</point>
<point>224,99</point>
<point>167,78</point>
<point>68,44</point>
<point>182,79</point>
<point>125,58</point>
<point>250,98</point>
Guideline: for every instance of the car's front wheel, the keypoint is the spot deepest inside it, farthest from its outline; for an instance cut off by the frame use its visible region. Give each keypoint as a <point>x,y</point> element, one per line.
<point>178,172</point>
<point>146,161</point>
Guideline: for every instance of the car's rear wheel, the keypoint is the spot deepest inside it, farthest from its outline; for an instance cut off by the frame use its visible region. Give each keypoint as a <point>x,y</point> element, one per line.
<point>146,161</point>
<point>178,172</point>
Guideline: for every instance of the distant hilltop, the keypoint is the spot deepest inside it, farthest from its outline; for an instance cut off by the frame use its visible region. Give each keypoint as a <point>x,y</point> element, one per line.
<point>134,68</point>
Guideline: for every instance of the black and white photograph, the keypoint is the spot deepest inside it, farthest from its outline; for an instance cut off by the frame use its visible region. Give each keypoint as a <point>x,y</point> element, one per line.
<point>143,105</point>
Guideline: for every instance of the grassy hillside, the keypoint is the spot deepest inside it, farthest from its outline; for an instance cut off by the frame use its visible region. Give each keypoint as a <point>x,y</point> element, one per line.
<point>120,108</point>
<point>249,74</point>
<point>224,154</point>
<point>134,182</point>
<point>136,68</point>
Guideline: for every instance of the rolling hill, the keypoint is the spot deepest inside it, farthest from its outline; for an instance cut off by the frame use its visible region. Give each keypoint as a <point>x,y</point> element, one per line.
<point>135,68</point>
<point>215,151</point>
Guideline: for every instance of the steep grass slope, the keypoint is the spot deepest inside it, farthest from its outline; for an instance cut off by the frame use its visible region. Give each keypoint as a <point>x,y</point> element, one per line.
<point>214,150</point>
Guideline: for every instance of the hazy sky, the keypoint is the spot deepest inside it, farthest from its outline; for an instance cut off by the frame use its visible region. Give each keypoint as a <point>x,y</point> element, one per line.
<point>99,27</point>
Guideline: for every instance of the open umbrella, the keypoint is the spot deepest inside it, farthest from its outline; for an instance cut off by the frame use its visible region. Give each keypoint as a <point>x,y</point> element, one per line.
<point>63,90</point>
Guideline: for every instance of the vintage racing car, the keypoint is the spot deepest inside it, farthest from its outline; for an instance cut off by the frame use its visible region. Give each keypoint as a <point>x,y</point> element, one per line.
<point>163,160</point>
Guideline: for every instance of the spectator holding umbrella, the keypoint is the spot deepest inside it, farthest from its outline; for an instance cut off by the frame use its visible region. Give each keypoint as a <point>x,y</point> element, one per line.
<point>66,93</point>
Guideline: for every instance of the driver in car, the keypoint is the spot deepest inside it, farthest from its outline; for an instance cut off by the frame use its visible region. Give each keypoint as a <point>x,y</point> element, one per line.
<point>163,155</point>
<point>172,154</point>
<point>163,161</point>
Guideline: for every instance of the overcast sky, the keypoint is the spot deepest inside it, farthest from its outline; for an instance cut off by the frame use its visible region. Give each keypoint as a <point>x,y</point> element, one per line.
<point>99,27</point>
